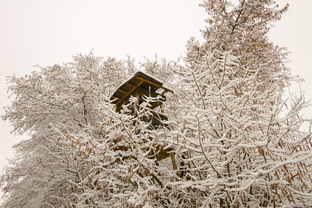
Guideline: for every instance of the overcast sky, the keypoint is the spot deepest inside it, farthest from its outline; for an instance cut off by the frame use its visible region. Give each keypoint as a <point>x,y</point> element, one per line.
<point>48,32</point>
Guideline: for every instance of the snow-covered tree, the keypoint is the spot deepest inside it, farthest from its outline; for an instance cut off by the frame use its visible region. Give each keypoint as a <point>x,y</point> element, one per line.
<point>57,108</point>
<point>245,137</point>
<point>233,136</point>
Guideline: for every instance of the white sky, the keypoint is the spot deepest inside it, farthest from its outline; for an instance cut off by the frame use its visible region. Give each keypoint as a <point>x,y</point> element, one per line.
<point>48,32</point>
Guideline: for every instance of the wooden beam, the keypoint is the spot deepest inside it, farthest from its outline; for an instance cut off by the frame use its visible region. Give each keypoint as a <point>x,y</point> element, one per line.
<point>120,90</point>
<point>131,85</point>
<point>152,83</point>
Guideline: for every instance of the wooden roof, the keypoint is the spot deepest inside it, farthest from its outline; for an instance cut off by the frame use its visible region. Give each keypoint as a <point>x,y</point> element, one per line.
<point>138,80</point>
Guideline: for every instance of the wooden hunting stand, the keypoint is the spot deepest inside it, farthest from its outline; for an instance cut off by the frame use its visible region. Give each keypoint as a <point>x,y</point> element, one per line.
<point>141,85</point>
